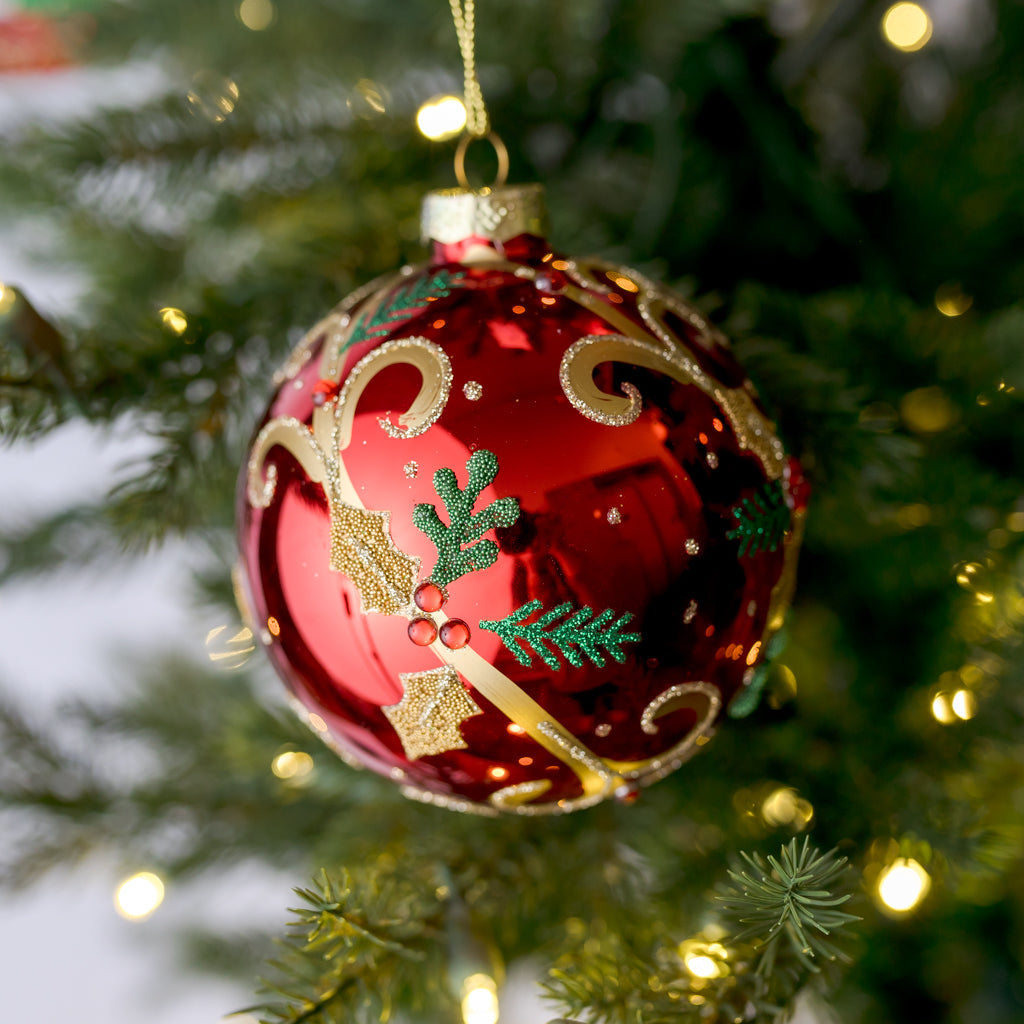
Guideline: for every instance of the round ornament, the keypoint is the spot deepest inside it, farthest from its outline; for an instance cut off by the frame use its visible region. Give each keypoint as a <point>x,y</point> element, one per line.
<point>515,529</point>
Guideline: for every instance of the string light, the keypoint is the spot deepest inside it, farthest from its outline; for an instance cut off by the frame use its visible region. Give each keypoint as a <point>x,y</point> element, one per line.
<point>704,960</point>
<point>951,300</point>
<point>903,885</point>
<point>137,897</point>
<point>293,765</point>
<point>479,1000</point>
<point>942,712</point>
<point>174,319</point>
<point>441,118</point>
<point>964,705</point>
<point>256,15</point>
<point>906,27</point>
<point>8,296</point>
<point>785,807</point>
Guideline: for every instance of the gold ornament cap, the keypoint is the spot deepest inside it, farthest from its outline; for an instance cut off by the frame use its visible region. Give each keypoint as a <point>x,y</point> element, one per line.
<point>494,214</point>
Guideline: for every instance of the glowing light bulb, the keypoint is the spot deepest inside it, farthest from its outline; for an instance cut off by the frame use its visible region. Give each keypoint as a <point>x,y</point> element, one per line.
<point>964,704</point>
<point>137,897</point>
<point>8,296</point>
<point>256,15</point>
<point>903,885</point>
<point>951,300</point>
<point>479,1000</point>
<point>941,711</point>
<point>700,965</point>
<point>292,764</point>
<point>174,319</point>
<point>784,806</point>
<point>441,118</point>
<point>906,27</point>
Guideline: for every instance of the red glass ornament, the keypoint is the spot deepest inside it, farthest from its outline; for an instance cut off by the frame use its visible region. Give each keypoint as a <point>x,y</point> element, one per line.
<point>570,459</point>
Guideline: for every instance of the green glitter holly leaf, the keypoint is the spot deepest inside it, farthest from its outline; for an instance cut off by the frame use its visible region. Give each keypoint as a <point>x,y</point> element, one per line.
<point>573,637</point>
<point>459,546</point>
<point>761,521</point>
<point>404,303</point>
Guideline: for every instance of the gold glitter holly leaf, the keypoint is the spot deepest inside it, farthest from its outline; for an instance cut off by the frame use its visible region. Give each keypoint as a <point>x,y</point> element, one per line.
<point>761,521</point>
<point>580,634</point>
<point>460,548</point>
<point>362,548</point>
<point>429,716</point>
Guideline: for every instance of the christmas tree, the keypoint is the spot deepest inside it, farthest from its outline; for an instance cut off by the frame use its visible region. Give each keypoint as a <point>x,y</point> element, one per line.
<point>837,187</point>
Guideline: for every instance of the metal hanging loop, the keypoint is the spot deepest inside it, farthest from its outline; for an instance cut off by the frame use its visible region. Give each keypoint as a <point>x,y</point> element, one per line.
<point>500,151</point>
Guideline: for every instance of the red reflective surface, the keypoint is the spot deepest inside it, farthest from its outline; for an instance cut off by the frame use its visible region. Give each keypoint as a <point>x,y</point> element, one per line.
<point>632,518</point>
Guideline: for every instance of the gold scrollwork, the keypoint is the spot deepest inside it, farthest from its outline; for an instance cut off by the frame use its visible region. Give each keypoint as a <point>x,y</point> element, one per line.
<point>752,428</point>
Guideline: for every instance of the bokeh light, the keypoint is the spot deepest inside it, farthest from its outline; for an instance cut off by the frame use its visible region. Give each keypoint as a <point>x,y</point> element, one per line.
<point>174,319</point>
<point>441,118</point>
<point>906,27</point>
<point>951,300</point>
<point>292,765</point>
<point>256,15</point>
<point>903,885</point>
<point>8,296</point>
<point>479,1000</point>
<point>212,96</point>
<point>137,897</point>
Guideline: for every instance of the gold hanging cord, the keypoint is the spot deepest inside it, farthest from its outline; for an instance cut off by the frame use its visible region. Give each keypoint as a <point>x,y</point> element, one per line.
<point>477,124</point>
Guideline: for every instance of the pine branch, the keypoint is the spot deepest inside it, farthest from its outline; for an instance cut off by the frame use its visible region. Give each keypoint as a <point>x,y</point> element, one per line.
<point>357,944</point>
<point>459,547</point>
<point>573,637</point>
<point>793,897</point>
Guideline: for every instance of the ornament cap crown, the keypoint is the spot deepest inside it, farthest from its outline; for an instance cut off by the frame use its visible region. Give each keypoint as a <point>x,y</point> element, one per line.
<point>491,214</point>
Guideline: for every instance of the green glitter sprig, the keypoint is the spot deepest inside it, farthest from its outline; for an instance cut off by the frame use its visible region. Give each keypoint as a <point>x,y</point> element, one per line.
<point>406,302</point>
<point>761,521</point>
<point>459,547</point>
<point>573,637</point>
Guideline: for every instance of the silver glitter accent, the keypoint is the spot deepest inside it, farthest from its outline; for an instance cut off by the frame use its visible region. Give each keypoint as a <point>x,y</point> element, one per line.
<point>691,612</point>
<point>751,608</point>
<point>712,460</point>
<point>411,468</point>
<point>614,516</point>
<point>692,547</point>
<point>578,753</point>
<point>473,390</point>
<point>298,383</point>
<point>266,637</point>
<point>397,773</point>
<point>602,730</point>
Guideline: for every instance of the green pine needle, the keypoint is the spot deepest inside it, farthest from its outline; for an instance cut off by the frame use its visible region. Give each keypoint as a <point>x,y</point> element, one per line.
<point>793,897</point>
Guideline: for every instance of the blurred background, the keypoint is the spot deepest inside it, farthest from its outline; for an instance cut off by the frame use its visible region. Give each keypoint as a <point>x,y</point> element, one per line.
<point>185,188</point>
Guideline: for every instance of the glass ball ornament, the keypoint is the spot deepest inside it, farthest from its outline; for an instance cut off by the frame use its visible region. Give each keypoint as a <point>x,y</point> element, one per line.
<point>515,528</point>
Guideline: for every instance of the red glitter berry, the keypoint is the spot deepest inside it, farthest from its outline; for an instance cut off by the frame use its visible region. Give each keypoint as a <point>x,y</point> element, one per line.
<point>429,597</point>
<point>455,634</point>
<point>422,631</point>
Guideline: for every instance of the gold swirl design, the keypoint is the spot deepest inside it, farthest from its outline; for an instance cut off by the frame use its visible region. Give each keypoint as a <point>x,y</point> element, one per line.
<point>704,699</point>
<point>752,428</point>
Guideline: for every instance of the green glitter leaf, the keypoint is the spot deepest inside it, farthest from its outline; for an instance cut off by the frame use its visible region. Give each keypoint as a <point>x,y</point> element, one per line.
<point>761,521</point>
<point>459,547</point>
<point>407,301</point>
<point>573,637</point>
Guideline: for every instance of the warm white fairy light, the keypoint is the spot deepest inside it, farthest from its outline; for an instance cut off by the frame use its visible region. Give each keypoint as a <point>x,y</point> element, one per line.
<point>906,27</point>
<point>441,118</point>
<point>964,704</point>
<point>292,764</point>
<point>479,1000</point>
<point>903,885</point>
<point>137,897</point>
<point>174,319</point>
<point>256,15</point>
